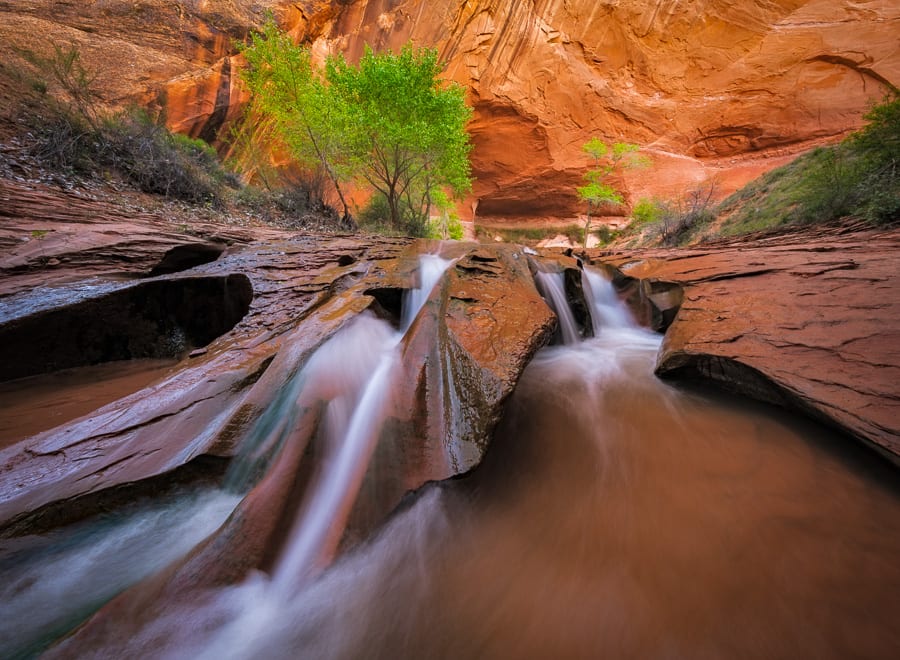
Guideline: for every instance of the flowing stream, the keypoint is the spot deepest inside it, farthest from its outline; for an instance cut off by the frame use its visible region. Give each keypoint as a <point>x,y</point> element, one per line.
<point>552,286</point>
<point>614,516</point>
<point>50,583</point>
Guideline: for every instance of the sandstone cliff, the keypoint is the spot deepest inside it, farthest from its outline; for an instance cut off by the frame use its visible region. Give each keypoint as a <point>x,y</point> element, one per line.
<point>713,88</point>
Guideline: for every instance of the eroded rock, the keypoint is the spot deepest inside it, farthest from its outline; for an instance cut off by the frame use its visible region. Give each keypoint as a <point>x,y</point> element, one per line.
<point>809,320</point>
<point>720,89</point>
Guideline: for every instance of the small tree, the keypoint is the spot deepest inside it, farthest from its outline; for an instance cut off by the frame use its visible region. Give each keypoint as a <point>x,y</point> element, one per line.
<point>607,161</point>
<point>388,121</point>
<point>292,96</point>
<point>404,130</point>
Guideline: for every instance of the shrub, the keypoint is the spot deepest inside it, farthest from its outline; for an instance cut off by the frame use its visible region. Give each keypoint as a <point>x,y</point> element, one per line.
<point>156,161</point>
<point>858,178</point>
<point>78,134</point>
<point>605,234</point>
<point>647,211</point>
<point>683,217</point>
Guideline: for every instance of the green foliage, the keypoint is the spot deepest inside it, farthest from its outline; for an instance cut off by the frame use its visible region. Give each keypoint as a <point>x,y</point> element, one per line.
<point>388,121</point>
<point>647,211</point>
<point>447,225</point>
<point>858,178</point>
<point>76,133</point>
<point>597,194</point>
<point>403,131</point>
<point>292,104</point>
<point>157,161</point>
<point>607,161</point>
<point>877,146</point>
<point>605,235</point>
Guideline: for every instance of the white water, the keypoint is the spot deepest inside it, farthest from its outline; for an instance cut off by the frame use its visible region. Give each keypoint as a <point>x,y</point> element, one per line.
<point>316,537</point>
<point>607,311</point>
<point>51,582</point>
<point>552,285</point>
<point>615,516</point>
<point>354,372</point>
<point>431,267</point>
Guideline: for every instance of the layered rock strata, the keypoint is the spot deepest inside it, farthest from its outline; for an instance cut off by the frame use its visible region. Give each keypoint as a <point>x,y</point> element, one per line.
<point>810,321</point>
<point>711,89</point>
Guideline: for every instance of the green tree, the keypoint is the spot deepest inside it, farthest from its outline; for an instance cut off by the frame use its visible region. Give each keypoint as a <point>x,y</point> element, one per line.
<point>607,161</point>
<point>293,99</point>
<point>389,121</point>
<point>404,129</point>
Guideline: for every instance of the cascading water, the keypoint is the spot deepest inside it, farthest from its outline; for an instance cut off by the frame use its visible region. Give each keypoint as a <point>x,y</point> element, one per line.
<point>607,311</point>
<point>53,582</point>
<point>431,268</point>
<point>615,515</point>
<point>354,372</point>
<point>552,286</point>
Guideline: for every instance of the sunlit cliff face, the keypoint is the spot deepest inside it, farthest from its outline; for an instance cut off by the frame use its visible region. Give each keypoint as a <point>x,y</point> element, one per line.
<point>711,88</point>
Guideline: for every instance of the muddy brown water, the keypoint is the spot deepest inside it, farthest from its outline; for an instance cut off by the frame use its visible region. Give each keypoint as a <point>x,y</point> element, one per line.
<point>38,403</point>
<point>614,516</point>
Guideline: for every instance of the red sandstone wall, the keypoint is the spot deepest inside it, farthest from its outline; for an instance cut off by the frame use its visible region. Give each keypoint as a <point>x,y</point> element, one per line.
<point>713,88</point>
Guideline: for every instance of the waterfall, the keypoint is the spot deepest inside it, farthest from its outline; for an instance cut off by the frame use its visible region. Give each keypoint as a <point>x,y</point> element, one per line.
<point>552,285</point>
<point>607,311</point>
<point>431,267</point>
<point>353,371</point>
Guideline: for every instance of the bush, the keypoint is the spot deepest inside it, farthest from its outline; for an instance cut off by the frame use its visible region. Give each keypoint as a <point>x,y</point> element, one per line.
<point>859,178</point>
<point>156,161</point>
<point>680,219</point>
<point>647,211</point>
<point>78,134</point>
<point>446,227</point>
<point>605,234</point>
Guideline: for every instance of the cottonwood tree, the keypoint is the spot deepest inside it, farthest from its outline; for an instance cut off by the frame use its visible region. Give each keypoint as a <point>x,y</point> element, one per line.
<point>607,161</point>
<point>388,121</point>
<point>294,101</point>
<point>405,129</point>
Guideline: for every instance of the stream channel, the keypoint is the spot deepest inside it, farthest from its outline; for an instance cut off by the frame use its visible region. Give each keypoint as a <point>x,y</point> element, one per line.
<point>614,516</point>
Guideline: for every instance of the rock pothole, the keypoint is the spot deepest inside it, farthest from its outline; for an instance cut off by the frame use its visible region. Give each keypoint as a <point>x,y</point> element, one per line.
<point>152,319</point>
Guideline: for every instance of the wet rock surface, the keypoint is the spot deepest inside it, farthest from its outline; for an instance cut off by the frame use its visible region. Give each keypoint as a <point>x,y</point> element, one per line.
<point>808,320</point>
<point>461,358</point>
<point>276,297</point>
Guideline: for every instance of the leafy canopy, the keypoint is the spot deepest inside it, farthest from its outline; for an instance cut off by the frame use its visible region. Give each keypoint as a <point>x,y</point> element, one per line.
<point>388,121</point>
<point>607,161</point>
<point>293,102</point>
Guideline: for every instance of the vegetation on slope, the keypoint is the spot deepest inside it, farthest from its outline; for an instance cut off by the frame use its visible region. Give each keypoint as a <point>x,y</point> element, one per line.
<point>858,179</point>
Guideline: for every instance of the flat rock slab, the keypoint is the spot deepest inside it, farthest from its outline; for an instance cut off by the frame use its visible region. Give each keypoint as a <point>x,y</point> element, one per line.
<point>809,320</point>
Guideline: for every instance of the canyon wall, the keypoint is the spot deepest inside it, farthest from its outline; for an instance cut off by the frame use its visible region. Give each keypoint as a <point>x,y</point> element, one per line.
<point>711,88</point>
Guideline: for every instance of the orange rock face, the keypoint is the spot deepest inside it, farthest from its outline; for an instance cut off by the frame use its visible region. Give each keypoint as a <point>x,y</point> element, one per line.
<point>711,89</point>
